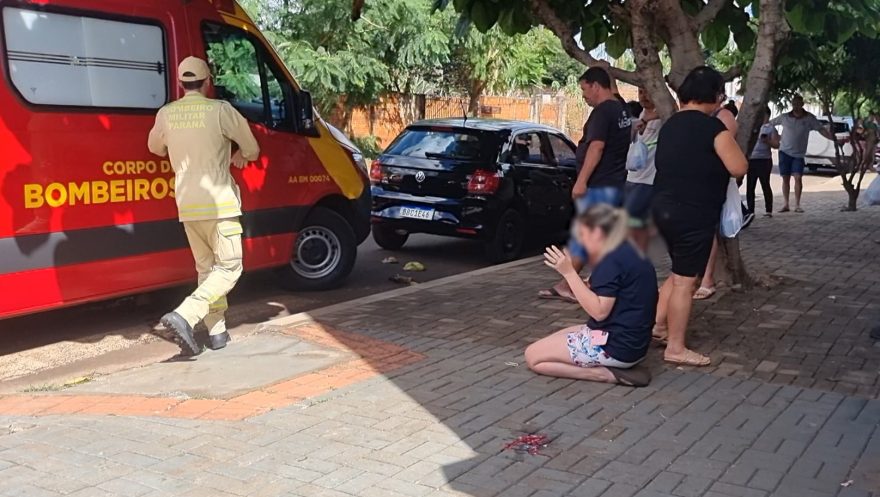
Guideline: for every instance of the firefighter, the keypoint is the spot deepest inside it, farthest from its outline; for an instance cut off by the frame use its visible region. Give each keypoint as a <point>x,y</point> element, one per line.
<point>197,134</point>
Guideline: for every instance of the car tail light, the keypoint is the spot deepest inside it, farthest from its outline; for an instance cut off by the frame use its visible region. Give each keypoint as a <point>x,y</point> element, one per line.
<point>484,182</point>
<point>376,174</point>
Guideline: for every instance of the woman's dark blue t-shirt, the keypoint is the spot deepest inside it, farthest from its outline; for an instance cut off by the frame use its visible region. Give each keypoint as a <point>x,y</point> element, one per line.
<point>629,277</point>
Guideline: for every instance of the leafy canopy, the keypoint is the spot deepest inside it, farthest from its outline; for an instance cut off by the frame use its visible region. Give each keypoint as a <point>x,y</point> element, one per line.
<point>400,46</point>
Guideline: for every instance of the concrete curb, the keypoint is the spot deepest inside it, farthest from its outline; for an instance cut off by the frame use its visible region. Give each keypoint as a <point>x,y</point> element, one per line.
<point>308,316</point>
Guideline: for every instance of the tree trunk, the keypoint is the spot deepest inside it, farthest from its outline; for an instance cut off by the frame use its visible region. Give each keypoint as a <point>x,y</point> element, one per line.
<point>681,38</point>
<point>846,166</point>
<point>862,158</point>
<point>852,205</point>
<point>475,93</point>
<point>650,68</point>
<point>772,30</point>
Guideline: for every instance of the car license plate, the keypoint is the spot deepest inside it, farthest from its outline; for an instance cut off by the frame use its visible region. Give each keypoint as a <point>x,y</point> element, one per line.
<point>417,213</point>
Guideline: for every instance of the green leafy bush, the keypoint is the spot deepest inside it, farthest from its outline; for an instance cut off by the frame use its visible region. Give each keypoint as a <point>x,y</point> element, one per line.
<point>369,146</point>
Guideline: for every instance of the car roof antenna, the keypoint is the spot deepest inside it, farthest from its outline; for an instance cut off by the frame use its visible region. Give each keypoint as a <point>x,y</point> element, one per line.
<point>464,115</point>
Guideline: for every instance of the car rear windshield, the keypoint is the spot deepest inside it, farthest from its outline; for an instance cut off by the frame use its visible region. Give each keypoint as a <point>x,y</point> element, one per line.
<point>434,143</point>
<point>839,126</point>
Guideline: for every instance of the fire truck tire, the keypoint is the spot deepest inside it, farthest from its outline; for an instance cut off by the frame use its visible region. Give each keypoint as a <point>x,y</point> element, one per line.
<point>323,255</point>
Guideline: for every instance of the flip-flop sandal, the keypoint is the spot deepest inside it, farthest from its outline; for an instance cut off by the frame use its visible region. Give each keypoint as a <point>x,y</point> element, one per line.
<point>553,294</point>
<point>785,209</point>
<point>660,335</point>
<point>799,210</point>
<point>704,293</point>
<point>689,358</point>
<point>636,376</point>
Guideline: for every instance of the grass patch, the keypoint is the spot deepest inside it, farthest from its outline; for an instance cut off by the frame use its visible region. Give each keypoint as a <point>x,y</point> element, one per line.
<point>57,387</point>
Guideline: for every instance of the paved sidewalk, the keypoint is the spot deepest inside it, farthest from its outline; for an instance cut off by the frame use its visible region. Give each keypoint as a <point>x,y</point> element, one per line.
<point>789,408</point>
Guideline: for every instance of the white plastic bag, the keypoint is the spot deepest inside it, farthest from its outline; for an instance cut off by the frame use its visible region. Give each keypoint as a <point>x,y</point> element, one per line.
<point>872,194</point>
<point>731,213</point>
<point>637,157</point>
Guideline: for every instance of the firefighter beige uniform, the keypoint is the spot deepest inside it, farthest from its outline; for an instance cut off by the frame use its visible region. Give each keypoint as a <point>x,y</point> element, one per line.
<point>197,133</point>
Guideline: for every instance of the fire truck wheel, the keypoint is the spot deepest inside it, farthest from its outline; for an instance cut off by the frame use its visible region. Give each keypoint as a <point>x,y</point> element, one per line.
<point>323,255</point>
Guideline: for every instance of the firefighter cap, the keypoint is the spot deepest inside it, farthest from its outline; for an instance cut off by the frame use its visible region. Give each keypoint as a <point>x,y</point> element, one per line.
<point>193,69</point>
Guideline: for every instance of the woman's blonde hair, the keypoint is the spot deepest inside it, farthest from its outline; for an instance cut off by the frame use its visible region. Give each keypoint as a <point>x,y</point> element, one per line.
<point>613,222</point>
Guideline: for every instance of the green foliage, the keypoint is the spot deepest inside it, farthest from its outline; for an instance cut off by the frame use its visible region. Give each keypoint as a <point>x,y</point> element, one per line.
<point>496,62</point>
<point>716,36</point>
<point>368,145</point>
<point>238,62</point>
<point>397,46</point>
<point>598,24</point>
<point>618,42</point>
<point>406,46</point>
<point>834,73</point>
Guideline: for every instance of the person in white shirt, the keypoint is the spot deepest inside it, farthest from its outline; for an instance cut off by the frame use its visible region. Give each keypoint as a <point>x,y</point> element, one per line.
<point>639,189</point>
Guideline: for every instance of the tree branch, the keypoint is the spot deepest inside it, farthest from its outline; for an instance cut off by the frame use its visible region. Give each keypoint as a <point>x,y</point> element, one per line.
<point>708,14</point>
<point>548,17</point>
<point>732,73</point>
<point>682,42</point>
<point>356,7</point>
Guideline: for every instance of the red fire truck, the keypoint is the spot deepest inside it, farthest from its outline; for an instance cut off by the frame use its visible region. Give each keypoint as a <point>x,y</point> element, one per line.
<point>87,213</point>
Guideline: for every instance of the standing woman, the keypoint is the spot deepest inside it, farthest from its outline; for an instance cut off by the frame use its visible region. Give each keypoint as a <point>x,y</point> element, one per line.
<point>760,165</point>
<point>727,115</point>
<point>696,156</point>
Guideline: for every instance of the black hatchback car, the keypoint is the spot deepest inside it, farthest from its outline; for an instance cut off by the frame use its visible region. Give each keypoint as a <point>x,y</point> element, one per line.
<point>490,180</point>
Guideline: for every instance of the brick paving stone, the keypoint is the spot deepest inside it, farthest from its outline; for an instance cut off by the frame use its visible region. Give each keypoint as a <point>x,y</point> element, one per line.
<point>692,486</point>
<point>737,491</point>
<point>765,480</point>
<point>122,486</point>
<point>620,490</point>
<point>789,408</point>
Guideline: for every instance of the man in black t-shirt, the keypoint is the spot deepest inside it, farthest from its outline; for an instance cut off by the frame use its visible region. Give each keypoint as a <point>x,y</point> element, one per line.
<point>601,160</point>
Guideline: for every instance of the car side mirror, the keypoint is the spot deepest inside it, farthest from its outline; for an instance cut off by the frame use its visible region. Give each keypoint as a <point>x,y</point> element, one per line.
<point>305,113</point>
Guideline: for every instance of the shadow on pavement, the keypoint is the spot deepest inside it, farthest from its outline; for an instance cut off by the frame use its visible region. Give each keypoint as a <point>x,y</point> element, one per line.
<point>793,384</point>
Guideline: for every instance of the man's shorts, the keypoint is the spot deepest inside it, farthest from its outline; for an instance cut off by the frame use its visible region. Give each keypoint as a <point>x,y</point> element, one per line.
<point>637,200</point>
<point>789,165</point>
<point>598,195</point>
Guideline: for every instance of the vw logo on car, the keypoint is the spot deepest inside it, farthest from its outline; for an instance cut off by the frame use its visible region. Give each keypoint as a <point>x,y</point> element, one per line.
<point>420,177</point>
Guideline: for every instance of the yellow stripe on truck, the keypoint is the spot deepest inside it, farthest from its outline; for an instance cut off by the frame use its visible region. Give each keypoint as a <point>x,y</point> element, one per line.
<point>337,163</point>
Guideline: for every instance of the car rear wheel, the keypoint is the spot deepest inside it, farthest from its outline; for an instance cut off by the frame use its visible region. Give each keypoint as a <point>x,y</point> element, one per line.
<point>388,238</point>
<point>506,244</point>
<point>323,255</point>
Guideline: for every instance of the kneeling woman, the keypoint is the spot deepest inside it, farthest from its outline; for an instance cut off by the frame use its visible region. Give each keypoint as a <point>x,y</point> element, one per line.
<point>621,300</point>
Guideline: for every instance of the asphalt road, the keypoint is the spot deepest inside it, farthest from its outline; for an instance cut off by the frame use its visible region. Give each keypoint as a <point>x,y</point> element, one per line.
<point>256,299</point>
